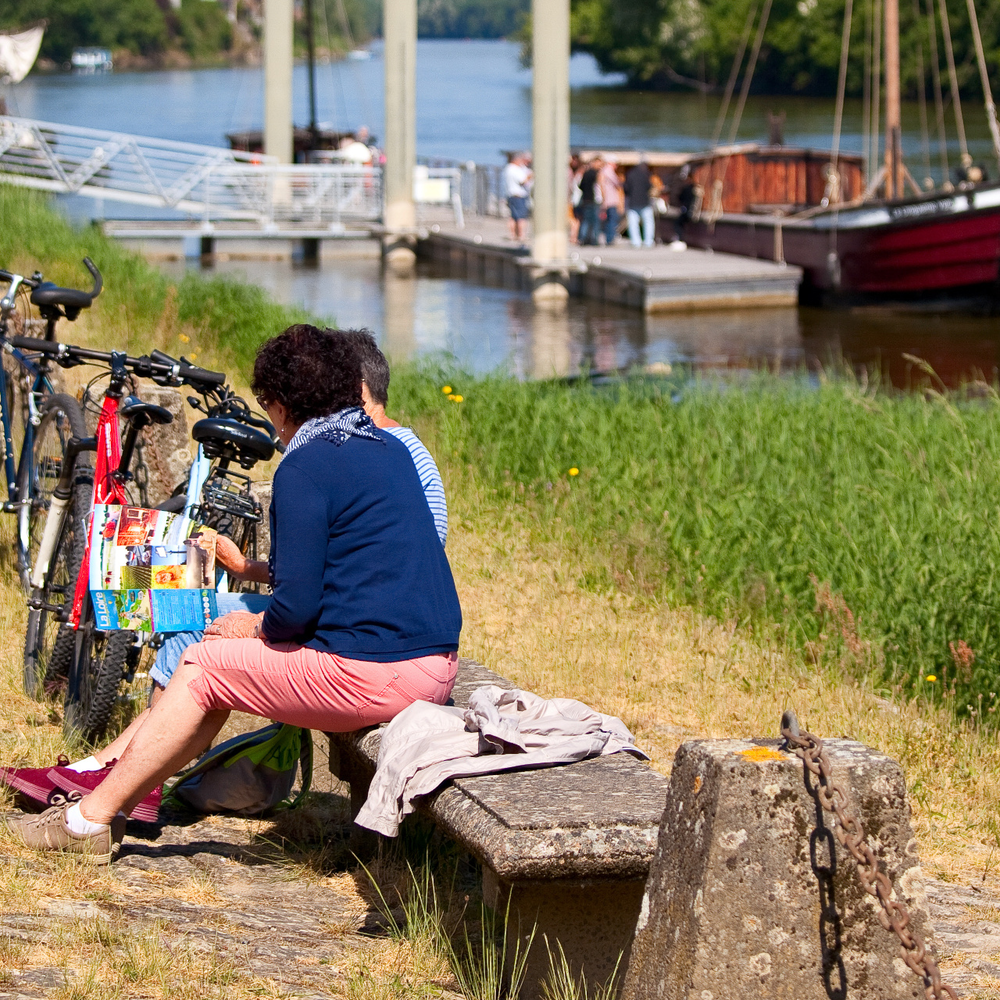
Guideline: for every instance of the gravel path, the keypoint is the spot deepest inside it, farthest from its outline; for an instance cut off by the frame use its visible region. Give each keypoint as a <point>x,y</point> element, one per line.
<point>202,888</point>
<point>222,886</point>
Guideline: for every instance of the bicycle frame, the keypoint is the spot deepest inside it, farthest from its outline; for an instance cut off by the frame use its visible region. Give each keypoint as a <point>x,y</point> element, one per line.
<point>39,387</point>
<point>109,483</point>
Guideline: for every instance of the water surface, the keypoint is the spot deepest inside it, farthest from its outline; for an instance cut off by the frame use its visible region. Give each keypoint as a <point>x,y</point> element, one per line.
<point>473,101</point>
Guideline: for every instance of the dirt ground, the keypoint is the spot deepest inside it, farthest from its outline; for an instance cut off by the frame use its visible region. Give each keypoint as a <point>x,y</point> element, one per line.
<point>250,897</point>
<point>255,899</point>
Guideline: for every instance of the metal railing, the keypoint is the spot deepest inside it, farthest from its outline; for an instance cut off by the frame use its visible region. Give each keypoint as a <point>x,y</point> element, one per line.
<point>209,182</point>
<point>479,185</point>
<point>316,196</point>
<point>439,186</point>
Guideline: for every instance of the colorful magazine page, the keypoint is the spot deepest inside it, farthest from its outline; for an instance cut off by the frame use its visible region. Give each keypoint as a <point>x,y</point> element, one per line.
<point>150,570</point>
<point>154,610</point>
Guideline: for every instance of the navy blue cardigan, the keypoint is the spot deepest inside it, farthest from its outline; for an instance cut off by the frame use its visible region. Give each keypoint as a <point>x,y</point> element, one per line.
<point>356,564</point>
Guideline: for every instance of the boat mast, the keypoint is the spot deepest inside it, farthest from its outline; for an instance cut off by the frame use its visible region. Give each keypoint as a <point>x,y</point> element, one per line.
<point>311,49</point>
<point>893,108</point>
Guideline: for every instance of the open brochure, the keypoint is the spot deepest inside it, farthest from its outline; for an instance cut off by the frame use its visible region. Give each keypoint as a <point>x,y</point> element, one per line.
<point>151,570</point>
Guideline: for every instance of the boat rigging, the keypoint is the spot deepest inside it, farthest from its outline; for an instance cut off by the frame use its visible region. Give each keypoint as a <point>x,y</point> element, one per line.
<point>860,232</point>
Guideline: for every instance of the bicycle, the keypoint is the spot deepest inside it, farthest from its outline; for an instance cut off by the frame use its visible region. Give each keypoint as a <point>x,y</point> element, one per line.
<point>100,660</point>
<point>48,419</point>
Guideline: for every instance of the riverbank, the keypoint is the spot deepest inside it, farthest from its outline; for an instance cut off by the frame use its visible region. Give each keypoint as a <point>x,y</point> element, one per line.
<point>692,556</point>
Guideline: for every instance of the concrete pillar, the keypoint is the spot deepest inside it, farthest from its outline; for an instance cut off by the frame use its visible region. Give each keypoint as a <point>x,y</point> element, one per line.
<point>278,124</point>
<point>399,298</point>
<point>750,894</point>
<point>550,138</point>
<point>400,30</point>
<point>550,340</point>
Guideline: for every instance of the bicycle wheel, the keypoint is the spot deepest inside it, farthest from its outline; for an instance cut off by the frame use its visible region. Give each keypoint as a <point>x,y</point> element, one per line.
<point>48,642</point>
<point>38,474</point>
<point>100,661</point>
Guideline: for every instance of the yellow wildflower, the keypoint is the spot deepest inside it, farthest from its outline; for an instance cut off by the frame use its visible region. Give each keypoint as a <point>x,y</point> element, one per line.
<point>184,338</point>
<point>446,389</point>
<point>574,471</point>
<point>456,398</point>
<point>932,678</point>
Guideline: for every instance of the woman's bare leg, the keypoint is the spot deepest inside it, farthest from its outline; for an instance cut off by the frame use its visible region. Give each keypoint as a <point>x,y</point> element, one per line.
<point>176,729</point>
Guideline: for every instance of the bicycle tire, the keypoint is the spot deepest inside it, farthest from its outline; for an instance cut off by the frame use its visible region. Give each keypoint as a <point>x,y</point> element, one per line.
<point>62,418</point>
<point>99,664</point>
<point>47,642</point>
<point>60,660</point>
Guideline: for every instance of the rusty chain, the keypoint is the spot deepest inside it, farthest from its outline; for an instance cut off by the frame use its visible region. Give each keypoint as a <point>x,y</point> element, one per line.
<point>893,914</point>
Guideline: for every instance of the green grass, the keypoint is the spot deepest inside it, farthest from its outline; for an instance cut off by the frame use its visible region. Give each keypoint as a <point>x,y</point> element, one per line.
<point>861,525</point>
<point>138,301</point>
<point>857,524</point>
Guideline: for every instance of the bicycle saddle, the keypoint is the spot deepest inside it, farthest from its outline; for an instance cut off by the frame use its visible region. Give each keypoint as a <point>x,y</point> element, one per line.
<point>48,294</point>
<point>141,414</point>
<point>229,439</point>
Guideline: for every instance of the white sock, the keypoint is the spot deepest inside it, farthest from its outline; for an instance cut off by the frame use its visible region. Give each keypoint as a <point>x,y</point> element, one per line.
<point>79,824</point>
<point>87,764</point>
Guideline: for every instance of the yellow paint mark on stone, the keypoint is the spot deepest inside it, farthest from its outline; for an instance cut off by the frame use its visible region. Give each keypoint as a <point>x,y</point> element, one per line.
<point>760,754</point>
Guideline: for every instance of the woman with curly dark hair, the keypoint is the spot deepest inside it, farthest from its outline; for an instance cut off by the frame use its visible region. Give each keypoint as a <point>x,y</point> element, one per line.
<point>363,620</point>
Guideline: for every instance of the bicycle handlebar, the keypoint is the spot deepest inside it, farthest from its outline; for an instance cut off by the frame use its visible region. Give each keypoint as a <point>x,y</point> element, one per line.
<point>188,372</point>
<point>98,280</point>
<point>35,282</point>
<point>145,367</point>
<point>27,282</point>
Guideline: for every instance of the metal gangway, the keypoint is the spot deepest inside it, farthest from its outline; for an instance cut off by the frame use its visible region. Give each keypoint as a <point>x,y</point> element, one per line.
<point>208,183</point>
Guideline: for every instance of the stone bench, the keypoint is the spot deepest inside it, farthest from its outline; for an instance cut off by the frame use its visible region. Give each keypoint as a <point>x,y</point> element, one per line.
<point>567,848</point>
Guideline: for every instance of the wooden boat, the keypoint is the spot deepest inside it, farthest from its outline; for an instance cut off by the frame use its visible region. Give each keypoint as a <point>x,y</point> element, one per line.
<point>930,249</point>
<point>305,140</point>
<point>312,139</point>
<point>811,208</point>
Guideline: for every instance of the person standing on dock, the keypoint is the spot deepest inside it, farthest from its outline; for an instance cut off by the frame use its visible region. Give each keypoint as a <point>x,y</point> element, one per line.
<point>611,198</point>
<point>638,206</point>
<point>685,199</point>
<point>574,174</point>
<point>516,178</point>
<point>590,200</point>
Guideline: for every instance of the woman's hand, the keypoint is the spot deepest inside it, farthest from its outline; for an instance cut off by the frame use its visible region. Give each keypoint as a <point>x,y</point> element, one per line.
<point>229,557</point>
<point>235,625</point>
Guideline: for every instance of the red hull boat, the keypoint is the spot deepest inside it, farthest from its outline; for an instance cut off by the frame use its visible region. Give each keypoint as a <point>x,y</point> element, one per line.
<point>814,209</point>
<point>940,246</point>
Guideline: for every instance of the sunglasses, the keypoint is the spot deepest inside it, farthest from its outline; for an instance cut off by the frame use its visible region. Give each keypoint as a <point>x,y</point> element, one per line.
<point>262,402</point>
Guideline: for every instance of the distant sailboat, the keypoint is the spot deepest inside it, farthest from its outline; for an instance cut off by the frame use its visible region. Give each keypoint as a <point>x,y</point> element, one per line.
<point>18,52</point>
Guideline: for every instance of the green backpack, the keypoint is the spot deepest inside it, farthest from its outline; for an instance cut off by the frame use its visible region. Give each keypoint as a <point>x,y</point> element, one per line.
<point>249,775</point>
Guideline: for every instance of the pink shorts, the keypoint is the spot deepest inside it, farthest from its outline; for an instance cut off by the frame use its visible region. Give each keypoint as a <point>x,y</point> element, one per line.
<point>308,688</point>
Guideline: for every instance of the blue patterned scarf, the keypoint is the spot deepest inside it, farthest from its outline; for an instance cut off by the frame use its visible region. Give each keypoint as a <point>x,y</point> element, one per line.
<point>336,427</point>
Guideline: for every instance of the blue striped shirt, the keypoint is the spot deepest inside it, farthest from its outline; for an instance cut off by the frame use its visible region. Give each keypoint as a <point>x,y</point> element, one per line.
<point>430,478</point>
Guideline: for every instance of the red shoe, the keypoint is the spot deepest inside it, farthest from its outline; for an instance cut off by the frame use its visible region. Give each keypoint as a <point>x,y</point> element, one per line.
<point>86,781</point>
<point>33,784</point>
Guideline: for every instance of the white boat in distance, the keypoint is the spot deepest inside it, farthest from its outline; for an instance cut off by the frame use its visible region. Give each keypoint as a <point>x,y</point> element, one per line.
<point>91,59</point>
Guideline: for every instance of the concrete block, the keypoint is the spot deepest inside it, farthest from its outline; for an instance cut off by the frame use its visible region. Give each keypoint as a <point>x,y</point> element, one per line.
<point>166,448</point>
<point>749,893</point>
<point>262,494</point>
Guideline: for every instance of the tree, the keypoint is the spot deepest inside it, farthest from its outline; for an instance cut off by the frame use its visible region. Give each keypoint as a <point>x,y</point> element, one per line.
<point>678,43</point>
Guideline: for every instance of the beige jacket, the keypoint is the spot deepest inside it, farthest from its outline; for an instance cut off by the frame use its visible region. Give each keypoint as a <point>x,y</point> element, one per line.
<point>427,744</point>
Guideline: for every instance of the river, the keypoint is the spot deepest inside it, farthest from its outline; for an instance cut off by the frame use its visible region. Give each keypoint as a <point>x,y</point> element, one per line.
<point>474,100</point>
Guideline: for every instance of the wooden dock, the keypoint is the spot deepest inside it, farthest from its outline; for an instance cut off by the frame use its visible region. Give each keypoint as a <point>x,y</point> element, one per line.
<point>654,279</point>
